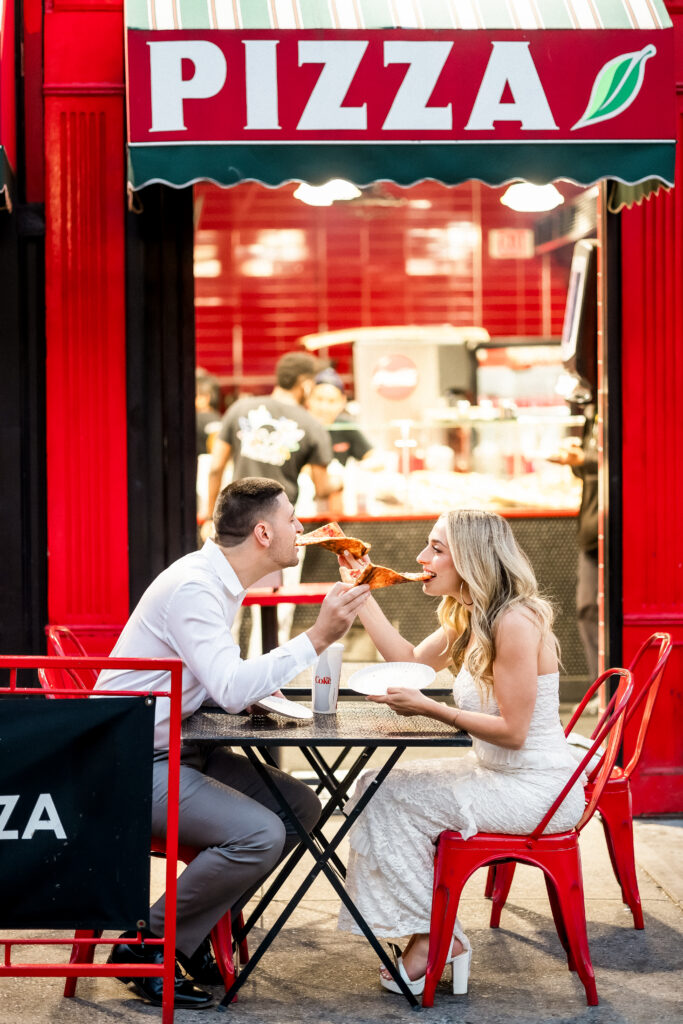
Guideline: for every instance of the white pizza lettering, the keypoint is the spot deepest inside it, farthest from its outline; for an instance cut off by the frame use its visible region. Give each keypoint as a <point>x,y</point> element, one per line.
<point>409,111</point>
<point>168,87</point>
<point>43,818</point>
<point>511,64</point>
<point>340,59</point>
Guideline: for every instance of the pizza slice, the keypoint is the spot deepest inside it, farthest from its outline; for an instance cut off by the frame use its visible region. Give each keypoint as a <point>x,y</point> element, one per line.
<point>321,534</point>
<point>380,576</point>
<point>332,537</point>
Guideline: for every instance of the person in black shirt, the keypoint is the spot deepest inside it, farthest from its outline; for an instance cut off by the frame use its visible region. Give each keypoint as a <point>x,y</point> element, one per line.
<point>274,436</point>
<point>583,459</point>
<point>327,403</point>
<point>207,404</point>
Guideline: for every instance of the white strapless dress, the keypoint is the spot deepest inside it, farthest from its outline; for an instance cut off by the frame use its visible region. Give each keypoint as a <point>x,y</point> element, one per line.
<point>489,789</point>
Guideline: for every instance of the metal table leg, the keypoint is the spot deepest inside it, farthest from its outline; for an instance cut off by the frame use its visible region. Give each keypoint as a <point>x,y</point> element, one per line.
<point>295,856</point>
<point>322,851</point>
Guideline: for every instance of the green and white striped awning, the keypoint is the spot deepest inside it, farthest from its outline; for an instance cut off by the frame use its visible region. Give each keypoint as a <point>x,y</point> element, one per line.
<point>408,14</point>
<point>224,90</point>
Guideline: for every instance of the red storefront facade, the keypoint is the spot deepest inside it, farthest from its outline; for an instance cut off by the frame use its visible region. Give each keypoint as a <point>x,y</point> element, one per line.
<point>97,296</point>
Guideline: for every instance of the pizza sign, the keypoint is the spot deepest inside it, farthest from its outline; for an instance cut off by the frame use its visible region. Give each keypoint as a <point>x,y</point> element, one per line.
<point>242,87</point>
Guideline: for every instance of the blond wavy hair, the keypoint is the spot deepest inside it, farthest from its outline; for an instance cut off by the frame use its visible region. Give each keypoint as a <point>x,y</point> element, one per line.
<point>499,577</point>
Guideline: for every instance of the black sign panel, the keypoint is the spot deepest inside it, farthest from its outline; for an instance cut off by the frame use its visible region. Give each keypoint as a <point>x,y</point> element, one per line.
<point>75,812</point>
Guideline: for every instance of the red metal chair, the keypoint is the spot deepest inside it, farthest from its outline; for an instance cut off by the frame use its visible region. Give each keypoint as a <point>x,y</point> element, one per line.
<point>82,953</point>
<point>66,644</point>
<point>556,854</point>
<point>614,805</point>
<point>221,934</point>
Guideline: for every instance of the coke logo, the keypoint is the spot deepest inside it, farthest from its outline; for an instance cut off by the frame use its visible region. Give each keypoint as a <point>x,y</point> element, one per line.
<point>322,681</point>
<point>394,377</point>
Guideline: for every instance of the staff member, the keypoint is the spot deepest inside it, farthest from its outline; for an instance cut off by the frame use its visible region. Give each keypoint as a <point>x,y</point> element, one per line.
<point>582,456</point>
<point>328,404</point>
<point>274,436</point>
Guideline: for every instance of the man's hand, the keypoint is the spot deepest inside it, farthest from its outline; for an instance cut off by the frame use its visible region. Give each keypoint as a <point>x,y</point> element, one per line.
<point>337,612</point>
<point>251,709</point>
<point>571,455</point>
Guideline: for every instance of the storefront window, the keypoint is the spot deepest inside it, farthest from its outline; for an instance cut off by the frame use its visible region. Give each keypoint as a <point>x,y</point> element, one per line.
<point>442,311</point>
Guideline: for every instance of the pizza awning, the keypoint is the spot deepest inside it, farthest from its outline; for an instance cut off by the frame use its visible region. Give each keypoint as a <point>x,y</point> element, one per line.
<point>307,90</point>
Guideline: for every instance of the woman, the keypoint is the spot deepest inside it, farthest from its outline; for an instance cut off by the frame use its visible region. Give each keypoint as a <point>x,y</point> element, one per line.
<point>496,636</point>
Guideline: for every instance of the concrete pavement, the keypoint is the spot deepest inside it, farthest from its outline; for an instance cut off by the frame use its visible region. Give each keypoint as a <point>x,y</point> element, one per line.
<point>313,973</point>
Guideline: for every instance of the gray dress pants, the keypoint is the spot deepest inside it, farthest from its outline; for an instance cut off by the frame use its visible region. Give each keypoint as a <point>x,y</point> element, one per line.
<point>227,812</point>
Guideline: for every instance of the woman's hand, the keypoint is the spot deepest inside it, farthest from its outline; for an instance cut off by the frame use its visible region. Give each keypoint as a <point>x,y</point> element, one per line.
<point>348,561</point>
<point>406,701</point>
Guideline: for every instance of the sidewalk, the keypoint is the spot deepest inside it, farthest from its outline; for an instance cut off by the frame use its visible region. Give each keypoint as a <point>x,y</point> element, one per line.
<point>313,973</point>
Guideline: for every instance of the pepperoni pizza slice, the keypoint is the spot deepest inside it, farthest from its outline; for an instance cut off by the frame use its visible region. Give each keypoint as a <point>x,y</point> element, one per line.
<point>332,537</point>
<point>380,576</point>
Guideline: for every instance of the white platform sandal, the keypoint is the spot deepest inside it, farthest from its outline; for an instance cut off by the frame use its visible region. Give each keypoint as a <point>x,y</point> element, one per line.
<point>416,987</point>
<point>460,969</point>
<point>460,964</point>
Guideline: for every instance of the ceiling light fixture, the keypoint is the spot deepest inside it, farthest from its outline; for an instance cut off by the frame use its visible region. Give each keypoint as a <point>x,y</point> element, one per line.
<point>527,198</point>
<point>325,195</point>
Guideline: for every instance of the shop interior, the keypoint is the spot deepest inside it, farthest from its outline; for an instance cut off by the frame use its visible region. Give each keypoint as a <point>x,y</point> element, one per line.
<point>441,308</point>
<point>464,331</point>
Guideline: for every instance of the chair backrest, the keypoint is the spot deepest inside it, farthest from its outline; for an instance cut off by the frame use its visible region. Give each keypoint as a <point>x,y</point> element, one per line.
<point>640,707</point>
<point>643,698</point>
<point>60,679</point>
<point>609,731</point>
<point>66,644</point>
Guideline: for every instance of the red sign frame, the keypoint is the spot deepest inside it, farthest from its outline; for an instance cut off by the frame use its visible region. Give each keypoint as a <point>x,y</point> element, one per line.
<point>256,86</point>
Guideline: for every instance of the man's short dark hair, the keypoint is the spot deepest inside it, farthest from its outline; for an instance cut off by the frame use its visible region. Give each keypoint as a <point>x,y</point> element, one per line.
<point>292,366</point>
<point>240,505</point>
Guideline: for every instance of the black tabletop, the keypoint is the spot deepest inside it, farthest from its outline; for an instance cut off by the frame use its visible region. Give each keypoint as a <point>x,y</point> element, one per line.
<point>355,723</point>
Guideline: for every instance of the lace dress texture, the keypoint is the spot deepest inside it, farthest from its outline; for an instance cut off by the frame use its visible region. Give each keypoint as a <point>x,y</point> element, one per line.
<point>489,789</point>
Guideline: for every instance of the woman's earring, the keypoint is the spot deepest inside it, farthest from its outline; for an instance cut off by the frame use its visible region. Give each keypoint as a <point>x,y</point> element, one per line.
<point>467,604</point>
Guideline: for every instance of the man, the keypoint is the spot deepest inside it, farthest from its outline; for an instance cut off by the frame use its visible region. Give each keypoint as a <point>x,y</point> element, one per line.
<point>274,436</point>
<point>582,456</point>
<point>225,810</point>
<point>207,400</point>
<point>328,403</point>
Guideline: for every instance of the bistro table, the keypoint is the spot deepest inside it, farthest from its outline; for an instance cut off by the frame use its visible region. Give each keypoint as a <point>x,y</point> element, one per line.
<point>357,724</point>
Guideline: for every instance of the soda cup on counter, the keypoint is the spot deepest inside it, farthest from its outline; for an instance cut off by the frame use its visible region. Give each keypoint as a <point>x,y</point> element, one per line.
<point>326,680</point>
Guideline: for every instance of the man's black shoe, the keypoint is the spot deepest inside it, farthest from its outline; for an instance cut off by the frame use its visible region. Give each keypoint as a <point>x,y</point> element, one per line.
<point>187,995</point>
<point>202,965</point>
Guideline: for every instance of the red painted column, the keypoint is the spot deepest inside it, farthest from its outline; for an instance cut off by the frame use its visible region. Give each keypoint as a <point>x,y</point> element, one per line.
<point>652,376</point>
<point>85,312</point>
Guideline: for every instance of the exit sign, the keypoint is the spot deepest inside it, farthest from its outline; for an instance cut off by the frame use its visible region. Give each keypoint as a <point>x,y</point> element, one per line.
<point>511,244</point>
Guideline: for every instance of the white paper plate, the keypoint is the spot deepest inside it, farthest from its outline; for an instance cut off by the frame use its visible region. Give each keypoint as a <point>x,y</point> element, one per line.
<point>375,679</point>
<point>284,707</point>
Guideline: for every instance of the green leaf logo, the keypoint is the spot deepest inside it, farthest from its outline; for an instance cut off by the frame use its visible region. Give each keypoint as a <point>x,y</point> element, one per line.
<point>616,86</point>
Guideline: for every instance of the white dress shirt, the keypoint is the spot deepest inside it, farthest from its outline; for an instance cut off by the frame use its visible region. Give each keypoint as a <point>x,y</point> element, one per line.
<point>187,613</point>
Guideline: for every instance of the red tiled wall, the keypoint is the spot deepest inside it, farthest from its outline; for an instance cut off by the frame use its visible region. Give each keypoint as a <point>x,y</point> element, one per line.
<point>346,267</point>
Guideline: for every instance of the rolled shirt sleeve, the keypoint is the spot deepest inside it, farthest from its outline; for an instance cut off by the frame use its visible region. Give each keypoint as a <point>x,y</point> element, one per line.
<point>196,625</point>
